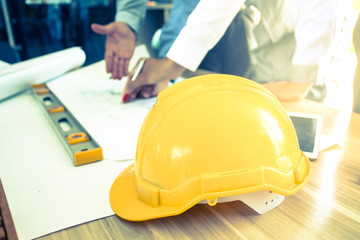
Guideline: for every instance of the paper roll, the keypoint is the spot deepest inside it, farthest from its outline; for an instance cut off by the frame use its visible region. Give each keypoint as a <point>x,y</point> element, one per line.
<point>19,76</point>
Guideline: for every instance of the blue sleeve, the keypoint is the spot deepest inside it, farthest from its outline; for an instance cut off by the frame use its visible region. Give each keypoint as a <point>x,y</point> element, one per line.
<point>178,17</point>
<point>132,12</point>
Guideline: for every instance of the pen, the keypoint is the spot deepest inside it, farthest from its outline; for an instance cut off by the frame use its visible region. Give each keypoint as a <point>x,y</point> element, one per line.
<point>138,69</point>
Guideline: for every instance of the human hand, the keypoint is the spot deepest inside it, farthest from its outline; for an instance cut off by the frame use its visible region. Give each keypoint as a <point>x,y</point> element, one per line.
<point>288,91</point>
<point>153,78</point>
<point>119,47</point>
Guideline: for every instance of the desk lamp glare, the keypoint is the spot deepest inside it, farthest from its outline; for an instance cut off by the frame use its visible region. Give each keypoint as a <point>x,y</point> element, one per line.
<point>209,139</point>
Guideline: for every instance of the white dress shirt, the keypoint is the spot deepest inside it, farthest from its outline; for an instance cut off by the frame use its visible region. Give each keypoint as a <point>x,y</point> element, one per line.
<point>314,30</point>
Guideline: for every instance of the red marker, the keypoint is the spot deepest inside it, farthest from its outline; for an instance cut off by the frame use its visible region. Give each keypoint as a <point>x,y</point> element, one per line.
<point>126,98</point>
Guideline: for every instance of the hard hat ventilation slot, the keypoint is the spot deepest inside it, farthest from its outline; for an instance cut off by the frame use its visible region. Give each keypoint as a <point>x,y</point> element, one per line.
<point>272,199</point>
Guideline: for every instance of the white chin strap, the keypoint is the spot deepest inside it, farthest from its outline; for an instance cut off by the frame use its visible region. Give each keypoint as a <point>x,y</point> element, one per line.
<point>261,201</point>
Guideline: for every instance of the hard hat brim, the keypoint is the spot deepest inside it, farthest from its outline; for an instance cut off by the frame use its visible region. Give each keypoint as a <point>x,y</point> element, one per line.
<point>125,203</point>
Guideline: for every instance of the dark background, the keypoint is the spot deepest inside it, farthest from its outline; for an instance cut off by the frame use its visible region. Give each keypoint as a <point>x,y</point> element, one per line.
<point>42,28</point>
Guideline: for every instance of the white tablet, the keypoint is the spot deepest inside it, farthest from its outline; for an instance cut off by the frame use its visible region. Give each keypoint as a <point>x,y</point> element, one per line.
<point>308,128</point>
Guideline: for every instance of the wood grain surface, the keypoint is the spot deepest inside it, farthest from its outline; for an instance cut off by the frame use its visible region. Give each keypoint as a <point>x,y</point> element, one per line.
<point>327,207</point>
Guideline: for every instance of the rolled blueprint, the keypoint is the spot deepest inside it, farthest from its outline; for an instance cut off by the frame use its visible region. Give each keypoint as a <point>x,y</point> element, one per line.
<point>19,76</point>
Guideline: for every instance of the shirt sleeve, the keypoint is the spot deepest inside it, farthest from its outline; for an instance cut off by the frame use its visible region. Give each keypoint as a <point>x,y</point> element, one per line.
<point>314,31</point>
<point>204,28</point>
<point>132,12</point>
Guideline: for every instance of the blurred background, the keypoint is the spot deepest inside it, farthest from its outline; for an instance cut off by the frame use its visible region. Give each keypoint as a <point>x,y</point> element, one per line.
<point>32,28</point>
<point>38,27</point>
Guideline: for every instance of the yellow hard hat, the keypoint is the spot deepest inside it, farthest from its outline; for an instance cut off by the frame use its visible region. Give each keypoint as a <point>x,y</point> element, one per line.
<point>209,137</point>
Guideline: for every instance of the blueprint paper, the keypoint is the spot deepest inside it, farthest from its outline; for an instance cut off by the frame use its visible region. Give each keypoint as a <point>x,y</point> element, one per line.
<point>45,191</point>
<point>96,102</point>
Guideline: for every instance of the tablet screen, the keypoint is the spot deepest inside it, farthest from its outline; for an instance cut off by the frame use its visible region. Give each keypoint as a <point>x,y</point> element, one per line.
<point>306,132</point>
<point>307,129</point>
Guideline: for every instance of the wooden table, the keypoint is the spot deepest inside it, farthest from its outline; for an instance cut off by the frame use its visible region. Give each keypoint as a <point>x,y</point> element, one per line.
<point>326,208</point>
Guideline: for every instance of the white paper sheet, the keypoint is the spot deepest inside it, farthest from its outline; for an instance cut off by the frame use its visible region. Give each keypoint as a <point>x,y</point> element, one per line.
<point>45,191</point>
<point>96,102</point>
<point>3,64</point>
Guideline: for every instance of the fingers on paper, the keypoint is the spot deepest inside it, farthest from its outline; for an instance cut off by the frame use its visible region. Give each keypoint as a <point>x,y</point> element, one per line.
<point>140,92</point>
<point>126,67</point>
<point>117,66</point>
<point>109,55</point>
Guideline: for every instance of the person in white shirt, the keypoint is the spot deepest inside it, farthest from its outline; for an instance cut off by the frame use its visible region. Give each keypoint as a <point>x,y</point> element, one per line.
<point>285,42</point>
